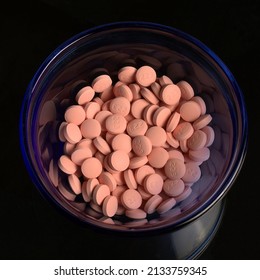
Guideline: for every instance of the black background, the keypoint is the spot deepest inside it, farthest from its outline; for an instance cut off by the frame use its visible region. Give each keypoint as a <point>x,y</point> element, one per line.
<point>33,229</point>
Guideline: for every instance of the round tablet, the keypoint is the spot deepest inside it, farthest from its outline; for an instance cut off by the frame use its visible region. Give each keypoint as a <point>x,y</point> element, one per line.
<point>190,111</point>
<point>110,206</point>
<point>85,95</point>
<point>192,173</point>
<point>91,167</point>
<point>119,160</point>
<point>67,165</point>
<point>115,124</point>
<point>199,155</point>
<point>202,121</point>
<point>136,127</point>
<point>148,113</point>
<point>91,109</point>
<point>161,116</point>
<point>145,76</point>
<point>101,83</point>
<point>209,131</point>
<point>187,91</point>
<point>148,95</point>
<point>100,192</point>
<point>136,214</point>
<point>136,162</point>
<point>153,183</point>
<point>127,74</point>
<point>176,154</point>
<point>74,183</point>
<point>130,179</point>
<point>75,114</point>
<point>108,179</point>
<point>79,155</point>
<point>174,168</point>
<point>166,205</point>
<point>131,199</point>
<point>122,142</point>
<point>90,128</point>
<point>138,107</point>
<point>170,94</point>
<point>197,140</point>
<point>183,131</point>
<point>173,121</point>
<point>102,145</point>
<point>72,133</point>
<point>142,172</point>
<point>152,203</point>
<point>141,145</point>
<point>158,157</point>
<point>120,105</point>
<point>101,118</point>
<point>173,187</point>
<point>157,135</point>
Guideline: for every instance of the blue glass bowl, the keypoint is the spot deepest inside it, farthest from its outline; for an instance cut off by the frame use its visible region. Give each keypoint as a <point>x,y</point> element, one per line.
<point>111,46</point>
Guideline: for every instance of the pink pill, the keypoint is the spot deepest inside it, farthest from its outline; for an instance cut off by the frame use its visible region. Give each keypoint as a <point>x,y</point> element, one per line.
<point>108,179</point>
<point>190,111</point>
<point>120,105</point>
<point>173,187</point>
<point>183,131</point>
<point>145,76</point>
<point>90,186</point>
<point>100,192</point>
<point>101,118</point>
<point>161,116</point>
<point>187,91</point>
<point>148,113</point>
<point>137,162</point>
<point>68,148</point>
<point>145,195</point>
<point>136,214</point>
<point>101,83</point>
<point>130,179</point>
<point>91,109</point>
<point>61,131</point>
<point>170,94</point>
<point>107,94</point>
<point>74,183</point>
<point>72,133</point>
<point>153,183</point>
<point>138,107</point>
<point>119,160</point>
<point>201,103</point>
<point>79,155</point>
<point>115,124</point>
<point>209,131</point>
<point>127,74</point>
<point>67,165</point>
<point>141,145</point>
<point>85,196</point>
<point>156,135</point>
<point>199,155</point>
<point>148,95</point>
<point>171,140</point>
<point>85,95</point>
<point>141,172</point>
<point>90,128</point>
<point>152,203</point>
<point>173,121</point>
<point>135,88</point>
<point>164,80</point>
<point>124,91</point>
<point>192,173</point>
<point>131,199</point>
<point>166,205</point>
<point>75,114</point>
<point>102,145</point>
<point>158,157</point>
<point>110,206</point>
<point>91,167</point>
<point>122,142</point>
<point>86,144</point>
<point>202,121</point>
<point>185,194</point>
<point>156,87</point>
<point>175,154</point>
<point>197,140</point>
<point>174,168</point>
<point>136,127</point>
<point>67,193</point>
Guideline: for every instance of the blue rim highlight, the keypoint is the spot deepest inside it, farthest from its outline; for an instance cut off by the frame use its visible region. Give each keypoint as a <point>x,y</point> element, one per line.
<point>152,26</point>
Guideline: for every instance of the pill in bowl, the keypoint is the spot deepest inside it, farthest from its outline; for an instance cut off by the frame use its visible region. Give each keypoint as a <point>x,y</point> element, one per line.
<point>133,126</point>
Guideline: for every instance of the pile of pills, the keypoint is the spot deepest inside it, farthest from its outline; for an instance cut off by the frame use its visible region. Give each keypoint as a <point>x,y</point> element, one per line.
<point>134,146</point>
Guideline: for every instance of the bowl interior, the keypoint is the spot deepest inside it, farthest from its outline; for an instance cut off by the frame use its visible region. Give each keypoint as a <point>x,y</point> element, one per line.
<point>105,50</point>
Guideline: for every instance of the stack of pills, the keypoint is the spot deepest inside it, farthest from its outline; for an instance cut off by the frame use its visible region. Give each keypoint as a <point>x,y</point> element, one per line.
<point>134,146</point>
